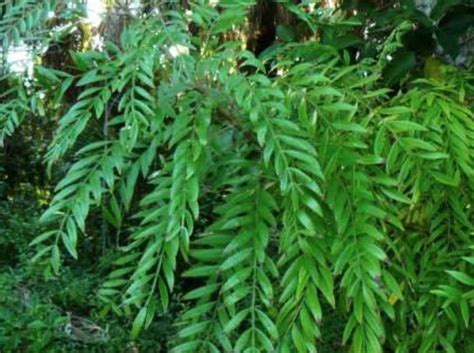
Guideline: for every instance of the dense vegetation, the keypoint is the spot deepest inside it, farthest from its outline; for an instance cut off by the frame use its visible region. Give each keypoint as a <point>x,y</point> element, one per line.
<point>237,176</point>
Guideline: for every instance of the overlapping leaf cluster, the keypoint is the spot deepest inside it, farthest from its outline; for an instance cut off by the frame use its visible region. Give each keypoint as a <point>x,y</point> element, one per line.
<point>20,20</point>
<point>281,189</point>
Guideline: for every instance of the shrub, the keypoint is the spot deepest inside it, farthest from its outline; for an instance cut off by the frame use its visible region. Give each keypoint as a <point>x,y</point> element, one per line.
<point>270,193</point>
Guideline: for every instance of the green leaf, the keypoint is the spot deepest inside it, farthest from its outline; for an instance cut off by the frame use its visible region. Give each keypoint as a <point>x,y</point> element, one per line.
<point>370,160</point>
<point>268,324</point>
<point>462,277</point>
<point>235,259</point>
<point>298,339</point>
<point>139,322</point>
<point>359,307</point>
<point>55,258</point>
<point>47,73</point>
<point>42,237</point>
<point>91,77</point>
<point>201,292</point>
<point>414,143</point>
<point>193,329</point>
<point>201,271</point>
<point>236,320</point>
<point>399,126</point>
<point>400,110</point>
<point>305,220</point>
<point>352,127</point>
<point>397,196</point>
<point>465,312</point>
<point>68,242</point>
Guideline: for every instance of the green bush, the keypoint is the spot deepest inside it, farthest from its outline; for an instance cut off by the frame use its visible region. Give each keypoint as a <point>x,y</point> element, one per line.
<point>283,202</point>
<point>60,314</point>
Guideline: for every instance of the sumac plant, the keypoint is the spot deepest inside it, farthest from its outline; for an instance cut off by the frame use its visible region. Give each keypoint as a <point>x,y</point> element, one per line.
<point>273,192</point>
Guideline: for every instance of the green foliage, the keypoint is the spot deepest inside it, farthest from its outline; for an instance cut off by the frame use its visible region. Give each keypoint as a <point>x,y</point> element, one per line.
<point>14,106</point>
<point>264,195</point>
<point>232,257</point>
<point>20,19</point>
<point>62,313</point>
<point>439,28</point>
<point>25,321</point>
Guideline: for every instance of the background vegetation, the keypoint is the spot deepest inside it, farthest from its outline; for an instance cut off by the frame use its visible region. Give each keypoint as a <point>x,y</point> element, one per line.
<point>236,176</point>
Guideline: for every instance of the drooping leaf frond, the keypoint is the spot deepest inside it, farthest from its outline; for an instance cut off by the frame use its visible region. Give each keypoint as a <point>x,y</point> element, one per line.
<point>271,189</point>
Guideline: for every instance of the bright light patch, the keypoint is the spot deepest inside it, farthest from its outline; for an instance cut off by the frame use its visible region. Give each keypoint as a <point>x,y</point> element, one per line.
<point>177,50</point>
<point>20,60</point>
<point>95,11</point>
<point>331,4</point>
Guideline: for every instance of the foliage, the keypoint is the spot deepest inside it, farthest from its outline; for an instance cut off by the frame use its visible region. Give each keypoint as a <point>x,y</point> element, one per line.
<point>60,314</point>
<point>439,28</point>
<point>32,327</point>
<point>20,19</point>
<point>253,199</point>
